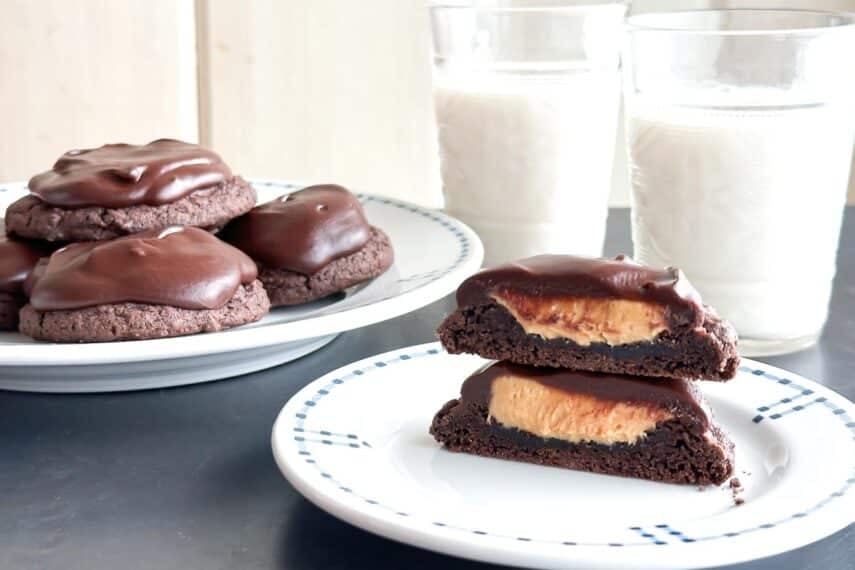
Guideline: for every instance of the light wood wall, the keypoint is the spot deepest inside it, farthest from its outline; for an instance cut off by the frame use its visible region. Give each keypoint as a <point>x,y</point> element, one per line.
<point>335,90</point>
<point>326,89</point>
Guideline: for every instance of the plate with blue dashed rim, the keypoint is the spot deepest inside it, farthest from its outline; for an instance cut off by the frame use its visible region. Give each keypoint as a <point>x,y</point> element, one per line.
<point>419,276</point>
<point>355,442</point>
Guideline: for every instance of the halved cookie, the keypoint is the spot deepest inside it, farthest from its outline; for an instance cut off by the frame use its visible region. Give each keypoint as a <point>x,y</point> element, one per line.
<point>660,429</point>
<point>591,314</point>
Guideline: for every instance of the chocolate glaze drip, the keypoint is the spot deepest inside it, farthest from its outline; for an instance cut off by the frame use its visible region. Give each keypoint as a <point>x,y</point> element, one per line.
<point>665,393</point>
<point>571,276</point>
<point>121,175</point>
<point>17,260</point>
<point>303,231</point>
<point>180,267</point>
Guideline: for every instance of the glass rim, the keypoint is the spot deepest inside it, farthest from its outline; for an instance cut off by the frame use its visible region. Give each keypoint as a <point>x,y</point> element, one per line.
<point>545,7</point>
<point>639,22</point>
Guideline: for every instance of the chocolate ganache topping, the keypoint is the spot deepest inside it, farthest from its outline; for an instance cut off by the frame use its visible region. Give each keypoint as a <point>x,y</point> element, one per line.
<point>122,175</point>
<point>303,231</point>
<point>571,276</point>
<point>178,266</point>
<point>668,393</point>
<point>17,260</point>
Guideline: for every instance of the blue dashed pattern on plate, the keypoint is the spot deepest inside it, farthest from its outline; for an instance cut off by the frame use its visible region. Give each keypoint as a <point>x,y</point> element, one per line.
<point>659,535</point>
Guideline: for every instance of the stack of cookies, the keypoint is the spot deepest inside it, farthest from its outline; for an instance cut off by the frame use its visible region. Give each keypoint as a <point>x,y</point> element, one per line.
<point>118,243</point>
<point>598,363</point>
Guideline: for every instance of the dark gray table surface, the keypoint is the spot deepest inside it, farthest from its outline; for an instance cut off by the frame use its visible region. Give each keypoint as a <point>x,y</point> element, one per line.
<point>184,477</point>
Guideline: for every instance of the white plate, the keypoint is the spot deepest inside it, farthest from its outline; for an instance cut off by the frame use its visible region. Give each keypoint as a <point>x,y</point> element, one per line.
<point>355,443</point>
<point>419,276</point>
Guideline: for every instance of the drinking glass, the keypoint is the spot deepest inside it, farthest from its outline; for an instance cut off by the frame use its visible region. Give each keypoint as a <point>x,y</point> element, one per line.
<point>740,130</point>
<point>526,96</point>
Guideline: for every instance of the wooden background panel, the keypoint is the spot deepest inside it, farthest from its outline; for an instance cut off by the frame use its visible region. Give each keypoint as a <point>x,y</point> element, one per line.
<point>79,74</point>
<point>321,90</point>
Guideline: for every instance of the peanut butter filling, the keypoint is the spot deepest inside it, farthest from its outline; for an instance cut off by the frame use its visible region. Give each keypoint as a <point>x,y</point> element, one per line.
<point>549,412</point>
<point>585,320</point>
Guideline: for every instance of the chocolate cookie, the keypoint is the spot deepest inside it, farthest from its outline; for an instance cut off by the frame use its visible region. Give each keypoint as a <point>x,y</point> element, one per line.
<point>620,425</point>
<point>154,284</point>
<point>17,260</point>
<point>591,314</point>
<point>138,321</point>
<point>116,190</point>
<point>311,244</point>
<point>291,288</point>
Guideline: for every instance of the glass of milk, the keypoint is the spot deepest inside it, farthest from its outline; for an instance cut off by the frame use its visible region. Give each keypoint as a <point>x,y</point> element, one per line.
<point>740,129</point>
<point>527,97</point>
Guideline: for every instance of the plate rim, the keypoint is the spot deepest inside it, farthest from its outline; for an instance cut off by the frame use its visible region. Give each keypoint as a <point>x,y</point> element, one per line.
<point>469,260</point>
<point>363,513</point>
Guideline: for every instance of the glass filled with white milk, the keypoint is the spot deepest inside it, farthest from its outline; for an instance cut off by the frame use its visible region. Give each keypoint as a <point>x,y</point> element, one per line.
<point>740,130</point>
<point>527,97</point>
